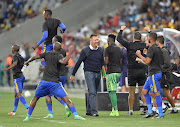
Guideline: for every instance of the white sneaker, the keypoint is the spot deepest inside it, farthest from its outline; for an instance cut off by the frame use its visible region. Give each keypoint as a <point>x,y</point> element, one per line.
<point>12,113</point>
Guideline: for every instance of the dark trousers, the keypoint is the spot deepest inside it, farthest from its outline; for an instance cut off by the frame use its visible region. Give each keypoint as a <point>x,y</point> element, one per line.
<point>93,82</point>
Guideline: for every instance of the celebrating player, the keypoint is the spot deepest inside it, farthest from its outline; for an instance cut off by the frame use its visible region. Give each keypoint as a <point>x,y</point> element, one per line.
<point>50,81</point>
<point>18,78</point>
<point>49,31</point>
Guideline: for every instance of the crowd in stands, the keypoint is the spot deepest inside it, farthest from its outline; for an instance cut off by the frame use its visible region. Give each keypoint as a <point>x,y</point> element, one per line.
<point>13,12</point>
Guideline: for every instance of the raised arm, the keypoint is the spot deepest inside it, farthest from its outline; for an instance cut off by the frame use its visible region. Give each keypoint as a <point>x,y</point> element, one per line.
<point>65,59</point>
<point>119,37</point>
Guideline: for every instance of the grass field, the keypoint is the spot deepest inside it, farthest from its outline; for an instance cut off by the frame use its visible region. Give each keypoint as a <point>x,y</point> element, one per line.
<point>104,120</point>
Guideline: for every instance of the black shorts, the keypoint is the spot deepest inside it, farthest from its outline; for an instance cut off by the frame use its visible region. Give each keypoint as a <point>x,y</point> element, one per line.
<point>136,76</point>
<point>165,80</point>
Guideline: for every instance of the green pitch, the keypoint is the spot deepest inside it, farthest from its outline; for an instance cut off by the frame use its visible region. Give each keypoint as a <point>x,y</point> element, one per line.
<point>60,119</point>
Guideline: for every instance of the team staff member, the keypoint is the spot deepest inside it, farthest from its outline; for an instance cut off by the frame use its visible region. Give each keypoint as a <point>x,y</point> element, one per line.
<point>50,27</point>
<point>154,60</point>
<point>166,72</point>
<point>93,59</point>
<point>113,60</point>
<point>136,71</point>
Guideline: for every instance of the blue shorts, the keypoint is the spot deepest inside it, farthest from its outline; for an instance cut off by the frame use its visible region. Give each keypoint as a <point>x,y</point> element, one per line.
<point>47,48</point>
<point>152,83</point>
<point>18,84</point>
<point>62,80</point>
<point>45,88</point>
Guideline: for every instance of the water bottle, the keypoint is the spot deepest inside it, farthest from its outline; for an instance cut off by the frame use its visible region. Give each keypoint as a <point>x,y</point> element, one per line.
<point>23,68</point>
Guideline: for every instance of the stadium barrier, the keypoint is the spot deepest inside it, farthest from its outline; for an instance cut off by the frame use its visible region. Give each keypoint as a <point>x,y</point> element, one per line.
<point>103,101</point>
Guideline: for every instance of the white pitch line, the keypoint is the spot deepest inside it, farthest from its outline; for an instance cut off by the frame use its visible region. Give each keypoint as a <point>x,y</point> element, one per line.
<point>53,121</point>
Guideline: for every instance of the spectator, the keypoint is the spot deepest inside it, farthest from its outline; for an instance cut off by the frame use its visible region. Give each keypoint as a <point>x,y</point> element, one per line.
<point>132,8</point>
<point>84,29</point>
<point>44,8</point>
<point>29,12</point>
<point>1,14</point>
<point>26,48</point>
<point>9,62</point>
<point>1,73</point>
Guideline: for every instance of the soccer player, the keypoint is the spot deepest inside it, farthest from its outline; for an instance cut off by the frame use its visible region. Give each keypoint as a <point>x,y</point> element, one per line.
<point>18,78</point>
<point>136,71</point>
<point>113,60</point>
<point>62,76</point>
<point>50,80</point>
<point>154,60</point>
<point>166,70</point>
<point>50,27</point>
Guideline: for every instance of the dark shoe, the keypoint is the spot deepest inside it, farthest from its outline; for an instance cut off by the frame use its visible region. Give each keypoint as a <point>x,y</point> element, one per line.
<point>173,112</point>
<point>94,115</point>
<point>88,114</point>
<point>165,109</point>
<point>148,115</point>
<point>157,116</point>
<point>154,113</point>
<point>143,113</point>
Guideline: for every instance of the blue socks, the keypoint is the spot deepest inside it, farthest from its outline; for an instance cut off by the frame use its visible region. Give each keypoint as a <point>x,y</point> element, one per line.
<point>63,103</point>
<point>30,110</point>
<point>159,105</point>
<point>148,102</point>
<point>73,110</point>
<point>16,101</point>
<point>23,101</point>
<point>49,105</point>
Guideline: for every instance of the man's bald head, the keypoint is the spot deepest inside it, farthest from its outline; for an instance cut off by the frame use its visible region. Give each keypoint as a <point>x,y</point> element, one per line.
<point>57,46</point>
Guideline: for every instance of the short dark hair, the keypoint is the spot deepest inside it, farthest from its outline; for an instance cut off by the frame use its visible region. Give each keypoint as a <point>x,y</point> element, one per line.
<point>16,48</point>
<point>160,39</point>
<point>153,36</point>
<point>93,35</point>
<point>58,38</point>
<point>48,11</point>
<point>137,36</point>
<point>112,36</point>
